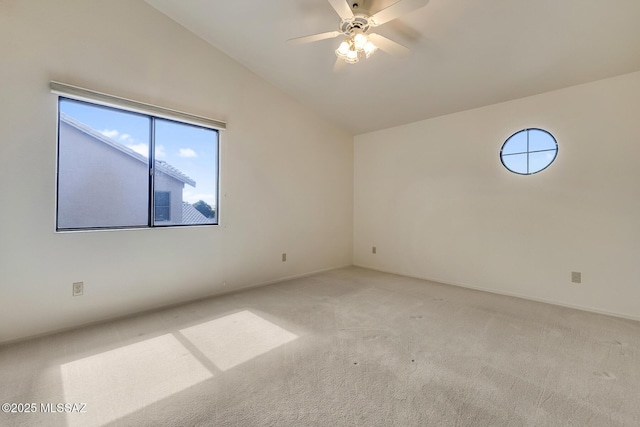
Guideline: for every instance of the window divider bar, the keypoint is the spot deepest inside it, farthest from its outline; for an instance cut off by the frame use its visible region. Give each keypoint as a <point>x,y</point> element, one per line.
<point>528,150</point>
<point>152,171</point>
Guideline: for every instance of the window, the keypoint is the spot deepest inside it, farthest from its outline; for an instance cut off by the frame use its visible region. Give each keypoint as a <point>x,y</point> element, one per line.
<point>125,169</point>
<point>529,151</point>
<point>162,206</point>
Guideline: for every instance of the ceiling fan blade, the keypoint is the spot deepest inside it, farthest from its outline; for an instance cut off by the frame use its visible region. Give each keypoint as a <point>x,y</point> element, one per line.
<point>314,37</point>
<point>396,10</point>
<point>388,46</point>
<point>342,8</point>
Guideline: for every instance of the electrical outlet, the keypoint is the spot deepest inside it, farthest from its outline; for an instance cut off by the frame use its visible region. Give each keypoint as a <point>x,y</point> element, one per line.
<point>374,250</point>
<point>576,277</point>
<point>284,257</point>
<point>78,289</point>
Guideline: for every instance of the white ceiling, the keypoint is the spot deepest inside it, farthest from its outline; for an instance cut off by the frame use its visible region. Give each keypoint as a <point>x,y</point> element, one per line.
<point>465,53</point>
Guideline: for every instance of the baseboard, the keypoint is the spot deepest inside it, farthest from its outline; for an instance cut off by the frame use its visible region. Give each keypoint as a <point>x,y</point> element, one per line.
<point>510,294</point>
<point>284,279</point>
<point>165,306</point>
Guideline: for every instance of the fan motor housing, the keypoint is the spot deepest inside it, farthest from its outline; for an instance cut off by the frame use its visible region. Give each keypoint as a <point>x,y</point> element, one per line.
<point>359,23</point>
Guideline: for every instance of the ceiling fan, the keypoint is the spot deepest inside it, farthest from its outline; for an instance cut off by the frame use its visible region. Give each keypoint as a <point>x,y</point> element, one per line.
<point>359,43</point>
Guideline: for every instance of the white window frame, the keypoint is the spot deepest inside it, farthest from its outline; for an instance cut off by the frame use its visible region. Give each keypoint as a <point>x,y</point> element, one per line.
<point>77,93</point>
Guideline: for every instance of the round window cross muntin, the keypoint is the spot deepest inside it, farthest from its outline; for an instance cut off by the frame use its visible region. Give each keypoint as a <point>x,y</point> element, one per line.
<point>514,142</point>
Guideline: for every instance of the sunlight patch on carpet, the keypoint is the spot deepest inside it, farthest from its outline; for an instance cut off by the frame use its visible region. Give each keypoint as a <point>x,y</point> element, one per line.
<point>124,380</point>
<point>236,338</point>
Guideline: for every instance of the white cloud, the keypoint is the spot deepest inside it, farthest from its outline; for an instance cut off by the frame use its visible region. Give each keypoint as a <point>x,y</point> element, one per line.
<point>110,133</point>
<point>115,134</point>
<point>143,149</point>
<point>140,149</point>
<point>126,137</point>
<point>161,153</point>
<point>188,152</point>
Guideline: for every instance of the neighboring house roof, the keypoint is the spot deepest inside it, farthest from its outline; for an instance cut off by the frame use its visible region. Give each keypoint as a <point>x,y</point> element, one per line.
<point>191,215</point>
<point>160,166</point>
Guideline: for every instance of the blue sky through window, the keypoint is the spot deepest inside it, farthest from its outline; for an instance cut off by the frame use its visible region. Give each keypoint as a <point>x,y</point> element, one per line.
<point>529,151</point>
<point>191,149</point>
<point>540,140</point>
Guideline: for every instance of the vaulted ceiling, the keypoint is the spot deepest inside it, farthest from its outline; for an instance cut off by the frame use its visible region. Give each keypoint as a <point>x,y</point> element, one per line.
<point>464,53</point>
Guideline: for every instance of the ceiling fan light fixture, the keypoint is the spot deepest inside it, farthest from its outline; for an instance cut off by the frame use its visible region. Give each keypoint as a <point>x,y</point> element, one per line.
<point>352,57</point>
<point>355,47</point>
<point>359,40</point>
<point>369,48</point>
<point>343,49</point>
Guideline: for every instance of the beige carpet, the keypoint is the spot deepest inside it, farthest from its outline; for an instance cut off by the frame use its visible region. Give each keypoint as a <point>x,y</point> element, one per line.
<point>349,347</point>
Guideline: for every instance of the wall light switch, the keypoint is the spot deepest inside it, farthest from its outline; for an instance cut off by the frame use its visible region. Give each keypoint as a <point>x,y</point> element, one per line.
<point>576,277</point>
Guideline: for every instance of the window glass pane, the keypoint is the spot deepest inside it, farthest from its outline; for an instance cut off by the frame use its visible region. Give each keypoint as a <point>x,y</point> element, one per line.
<point>187,170</point>
<point>103,172</point>
<point>516,143</point>
<point>539,152</point>
<point>516,163</point>
<point>162,205</point>
<point>541,140</point>
<point>540,160</point>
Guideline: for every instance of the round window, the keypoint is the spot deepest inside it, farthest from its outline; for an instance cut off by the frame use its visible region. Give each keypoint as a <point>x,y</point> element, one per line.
<point>529,151</point>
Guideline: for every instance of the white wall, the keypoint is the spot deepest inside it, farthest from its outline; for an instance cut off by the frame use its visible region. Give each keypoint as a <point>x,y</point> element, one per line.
<point>286,173</point>
<point>438,204</point>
